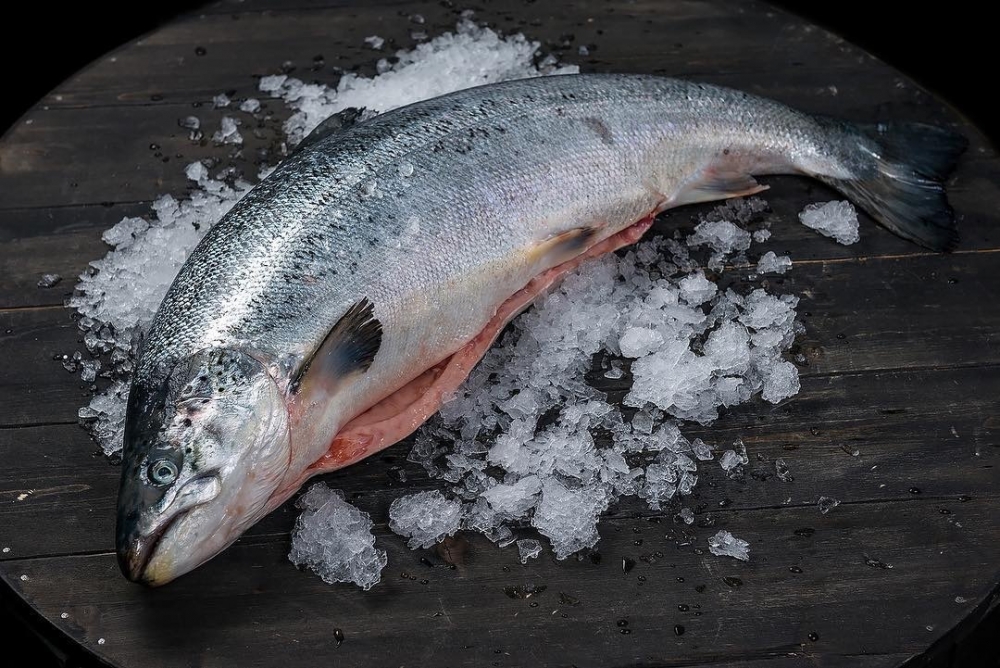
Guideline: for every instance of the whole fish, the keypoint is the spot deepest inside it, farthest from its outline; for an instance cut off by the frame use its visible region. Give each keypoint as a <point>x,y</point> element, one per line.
<point>329,312</point>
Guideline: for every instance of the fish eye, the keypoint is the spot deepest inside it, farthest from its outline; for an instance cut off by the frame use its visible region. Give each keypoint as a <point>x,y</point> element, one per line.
<point>162,472</point>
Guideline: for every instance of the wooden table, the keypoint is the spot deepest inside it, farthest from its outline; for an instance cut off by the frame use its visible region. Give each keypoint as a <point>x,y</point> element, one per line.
<point>902,351</point>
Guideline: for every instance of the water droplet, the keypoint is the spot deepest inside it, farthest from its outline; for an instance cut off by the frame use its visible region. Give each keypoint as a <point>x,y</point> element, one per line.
<point>794,569</point>
<point>914,490</point>
<point>733,581</point>
<point>805,531</point>
<point>622,622</point>
<point>814,636</point>
<point>406,169</point>
<point>524,591</point>
<point>875,563</point>
<point>200,51</point>
<point>627,564</point>
<point>680,578</point>
<point>625,632</point>
<point>566,599</point>
<point>700,589</point>
<point>683,607</point>
<point>338,635</point>
<point>964,498</point>
<point>678,630</point>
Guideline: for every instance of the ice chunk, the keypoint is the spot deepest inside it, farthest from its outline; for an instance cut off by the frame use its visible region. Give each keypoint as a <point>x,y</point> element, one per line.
<point>374,41</point>
<point>640,341</point>
<point>782,381</point>
<point>721,236</point>
<point>250,105</point>
<point>686,515</point>
<point>568,517</point>
<point>781,470</point>
<point>696,289</point>
<point>424,518</point>
<point>221,100</point>
<point>770,263</point>
<point>49,280</point>
<point>227,133</point>
<point>514,500</point>
<point>826,504</point>
<point>334,539</point>
<point>835,219</point>
<point>761,235</point>
<point>725,544</point>
<point>528,548</point>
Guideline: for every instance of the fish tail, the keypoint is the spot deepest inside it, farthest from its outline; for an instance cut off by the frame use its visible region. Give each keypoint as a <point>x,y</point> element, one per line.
<point>900,182</point>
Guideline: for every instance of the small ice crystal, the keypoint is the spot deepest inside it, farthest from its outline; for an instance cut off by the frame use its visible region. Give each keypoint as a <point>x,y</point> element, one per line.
<point>721,236</point>
<point>227,133</point>
<point>221,100</point>
<point>781,470</point>
<point>89,369</point>
<point>528,548</point>
<point>826,503</point>
<point>833,219</point>
<point>49,280</point>
<point>686,515</point>
<point>250,105</point>
<point>334,539</point>
<point>424,518</point>
<point>374,41</point>
<point>189,122</point>
<point>761,235</point>
<point>770,263</point>
<point>725,544</point>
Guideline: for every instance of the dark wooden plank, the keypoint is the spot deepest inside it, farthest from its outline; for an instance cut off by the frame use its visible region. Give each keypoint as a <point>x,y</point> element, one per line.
<point>684,36</point>
<point>930,427</point>
<point>895,420</point>
<point>463,617</point>
<point>918,311</point>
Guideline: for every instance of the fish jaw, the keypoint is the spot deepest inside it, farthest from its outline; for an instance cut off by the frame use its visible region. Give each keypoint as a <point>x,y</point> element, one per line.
<point>204,452</point>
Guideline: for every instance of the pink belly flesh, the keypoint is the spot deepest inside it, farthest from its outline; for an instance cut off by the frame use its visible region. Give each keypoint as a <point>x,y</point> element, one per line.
<point>400,414</point>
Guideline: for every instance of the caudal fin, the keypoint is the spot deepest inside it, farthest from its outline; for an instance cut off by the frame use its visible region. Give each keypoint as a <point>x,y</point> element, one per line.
<point>905,189</point>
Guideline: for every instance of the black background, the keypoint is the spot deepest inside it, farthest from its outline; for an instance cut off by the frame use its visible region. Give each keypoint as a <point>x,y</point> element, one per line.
<point>947,47</point>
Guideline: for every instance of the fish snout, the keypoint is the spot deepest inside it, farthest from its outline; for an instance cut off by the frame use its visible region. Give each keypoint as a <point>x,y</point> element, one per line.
<point>147,543</point>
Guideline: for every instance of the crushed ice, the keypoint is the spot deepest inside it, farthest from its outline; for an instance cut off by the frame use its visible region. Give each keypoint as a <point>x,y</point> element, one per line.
<point>334,539</point>
<point>837,220</point>
<point>527,441</point>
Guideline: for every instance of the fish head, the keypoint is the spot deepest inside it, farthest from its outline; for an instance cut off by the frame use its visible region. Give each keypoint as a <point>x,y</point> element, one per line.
<point>205,449</point>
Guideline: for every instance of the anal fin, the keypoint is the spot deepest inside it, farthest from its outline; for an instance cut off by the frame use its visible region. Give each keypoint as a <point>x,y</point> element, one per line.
<point>715,184</point>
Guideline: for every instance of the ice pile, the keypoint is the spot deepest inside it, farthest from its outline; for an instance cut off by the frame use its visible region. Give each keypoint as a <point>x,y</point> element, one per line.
<point>471,56</point>
<point>334,539</point>
<point>424,518</point>
<point>528,441</point>
<point>838,220</point>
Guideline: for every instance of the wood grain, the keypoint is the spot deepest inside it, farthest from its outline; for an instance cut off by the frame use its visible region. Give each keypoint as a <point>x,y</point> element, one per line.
<point>901,365</point>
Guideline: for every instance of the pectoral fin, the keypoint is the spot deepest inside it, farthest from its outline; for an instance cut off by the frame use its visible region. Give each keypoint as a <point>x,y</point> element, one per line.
<point>348,349</point>
<point>564,246</point>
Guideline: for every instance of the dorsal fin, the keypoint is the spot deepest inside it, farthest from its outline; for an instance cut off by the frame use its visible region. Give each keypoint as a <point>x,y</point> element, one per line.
<point>349,348</point>
<point>336,123</point>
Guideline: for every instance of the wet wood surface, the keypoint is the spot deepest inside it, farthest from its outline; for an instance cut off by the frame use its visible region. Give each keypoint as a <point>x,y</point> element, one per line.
<point>897,417</point>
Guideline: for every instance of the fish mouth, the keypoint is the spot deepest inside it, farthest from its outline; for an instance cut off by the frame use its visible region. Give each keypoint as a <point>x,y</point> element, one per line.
<point>138,551</point>
<point>137,545</point>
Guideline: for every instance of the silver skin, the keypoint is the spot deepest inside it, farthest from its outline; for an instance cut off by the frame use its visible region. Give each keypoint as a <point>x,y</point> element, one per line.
<point>437,213</point>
